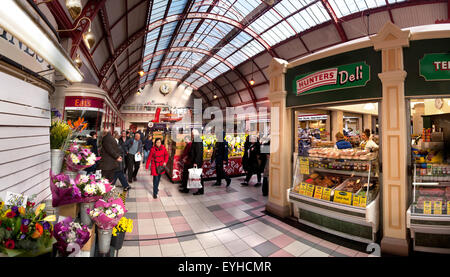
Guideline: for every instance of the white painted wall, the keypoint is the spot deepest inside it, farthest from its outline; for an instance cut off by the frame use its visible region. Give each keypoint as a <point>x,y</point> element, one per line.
<point>24,138</point>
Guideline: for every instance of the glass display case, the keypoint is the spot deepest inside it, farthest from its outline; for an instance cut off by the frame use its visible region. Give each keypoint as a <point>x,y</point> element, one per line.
<point>338,191</point>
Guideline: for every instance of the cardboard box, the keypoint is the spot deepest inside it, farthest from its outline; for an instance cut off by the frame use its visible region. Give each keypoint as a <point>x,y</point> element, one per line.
<point>69,210</point>
<point>88,245</point>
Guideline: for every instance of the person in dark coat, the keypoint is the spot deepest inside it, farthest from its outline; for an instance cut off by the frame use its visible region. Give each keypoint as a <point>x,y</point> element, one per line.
<point>123,141</point>
<point>185,161</point>
<point>148,144</point>
<point>111,156</point>
<point>265,150</point>
<point>195,158</point>
<point>158,157</point>
<point>252,162</point>
<point>245,157</point>
<point>220,156</point>
<point>92,141</point>
<point>119,171</point>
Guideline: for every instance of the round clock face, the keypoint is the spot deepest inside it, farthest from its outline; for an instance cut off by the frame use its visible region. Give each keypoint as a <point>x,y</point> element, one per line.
<point>438,103</point>
<point>165,89</point>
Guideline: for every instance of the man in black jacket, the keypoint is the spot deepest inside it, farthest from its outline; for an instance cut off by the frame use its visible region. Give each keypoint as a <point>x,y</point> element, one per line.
<point>196,156</point>
<point>92,141</point>
<point>123,141</point>
<point>111,156</point>
<point>221,158</point>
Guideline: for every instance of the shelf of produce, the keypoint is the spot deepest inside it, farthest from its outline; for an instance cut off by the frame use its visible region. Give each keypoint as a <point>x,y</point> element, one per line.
<point>355,223</point>
<point>344,172</point>
<point>430,233</point>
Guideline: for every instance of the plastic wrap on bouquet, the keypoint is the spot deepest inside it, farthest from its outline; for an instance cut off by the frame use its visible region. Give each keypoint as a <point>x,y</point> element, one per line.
<point>80,158</point>
<point>66,232</point>
<point>62,195</point>
<point>107,214</point>
<point>91,189</point>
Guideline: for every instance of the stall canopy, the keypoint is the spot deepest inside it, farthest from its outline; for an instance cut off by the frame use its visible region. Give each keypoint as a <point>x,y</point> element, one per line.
<point>217,46</point>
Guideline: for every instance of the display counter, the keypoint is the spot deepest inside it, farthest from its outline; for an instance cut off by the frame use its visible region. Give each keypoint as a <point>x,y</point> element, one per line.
<point>337,191</point>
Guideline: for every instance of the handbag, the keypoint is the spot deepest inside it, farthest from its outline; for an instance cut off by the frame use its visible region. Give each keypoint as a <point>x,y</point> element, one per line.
<point>137,157</point>
<point>195,178</point>
<point>160,169</point>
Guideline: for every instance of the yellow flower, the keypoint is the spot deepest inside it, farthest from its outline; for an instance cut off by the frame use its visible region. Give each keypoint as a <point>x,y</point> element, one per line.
<point>1,205</point>
<point>22,210</point>
<point>7,211</point>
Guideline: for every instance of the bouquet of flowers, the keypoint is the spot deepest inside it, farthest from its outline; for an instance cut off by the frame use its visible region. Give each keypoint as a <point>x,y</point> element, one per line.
<point>67,232</point>
<point>107,214</point>
<point>80,158</point>
<point>92,189</point>
<point>125,225</point>
<point>25,231</point>
<point>59,133</point>
<point>64,190</point>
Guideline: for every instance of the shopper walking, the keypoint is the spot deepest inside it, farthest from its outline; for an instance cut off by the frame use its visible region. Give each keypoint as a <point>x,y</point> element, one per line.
<point>92,142</point>
<point>119,174</point>
<point>252,162</point>
<point>220,155</point>
<point>148,144</point>
<point>194,159</point>
<point>111,155</point>
<point>158,158</point>
<point>133,147</point>
<point>185,162</point>
<point>123,141</point>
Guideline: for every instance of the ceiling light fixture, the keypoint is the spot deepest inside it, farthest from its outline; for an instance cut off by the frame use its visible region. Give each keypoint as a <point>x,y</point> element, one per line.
<point>215,96</point>
<point>78,61</point>
<point>252,82</point>
<point>17,20</point>
<point>369,107</point>
<point>88,37</point>
<point>141,72</point>
<point>73,6</point>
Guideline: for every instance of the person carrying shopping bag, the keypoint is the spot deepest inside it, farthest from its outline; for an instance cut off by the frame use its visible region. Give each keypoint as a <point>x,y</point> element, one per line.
<point>158,159</point>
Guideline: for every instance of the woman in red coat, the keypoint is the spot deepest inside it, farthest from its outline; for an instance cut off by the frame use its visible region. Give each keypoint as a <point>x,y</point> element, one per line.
<point>158,157</point>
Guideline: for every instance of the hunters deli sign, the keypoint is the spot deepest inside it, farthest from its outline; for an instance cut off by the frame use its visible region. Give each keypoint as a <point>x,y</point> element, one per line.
<point>340,77</point>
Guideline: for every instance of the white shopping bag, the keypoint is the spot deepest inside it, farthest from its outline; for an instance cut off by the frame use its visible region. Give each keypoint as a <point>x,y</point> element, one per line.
<point>195,176</point>
<point>137,157</point>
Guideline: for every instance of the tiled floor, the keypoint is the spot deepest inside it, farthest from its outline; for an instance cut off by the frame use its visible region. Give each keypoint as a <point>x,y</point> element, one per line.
<point>220,223</point>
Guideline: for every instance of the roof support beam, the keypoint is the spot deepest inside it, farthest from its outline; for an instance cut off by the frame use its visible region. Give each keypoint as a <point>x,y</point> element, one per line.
<point>336,22</point>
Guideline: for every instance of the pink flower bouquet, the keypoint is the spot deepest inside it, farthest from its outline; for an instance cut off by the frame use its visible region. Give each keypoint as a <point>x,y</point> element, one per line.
<point>66,232</point>
<point>107,214</point>
<point>80,158</point>
<point>64,190</point>
<point>92,189</point>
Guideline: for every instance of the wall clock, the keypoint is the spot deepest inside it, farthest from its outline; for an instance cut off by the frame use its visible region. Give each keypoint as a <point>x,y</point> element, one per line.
<point>164,89</point>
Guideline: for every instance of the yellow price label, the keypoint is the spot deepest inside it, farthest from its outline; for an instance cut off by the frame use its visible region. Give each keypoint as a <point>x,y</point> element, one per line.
<point>343,197</point>
<point>427,207</point>
<point>362,201</point>
<point>302,188</point>
<point>326,194</point>
<point>448,207</point>
<point>304,166</point>
<point>437,207</point>
<point>309,190</point>
<point>356,200</point>
<point>318,192</point>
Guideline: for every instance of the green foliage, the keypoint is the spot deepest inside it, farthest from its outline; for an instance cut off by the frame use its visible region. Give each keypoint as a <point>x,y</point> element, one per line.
<point>59,131</point>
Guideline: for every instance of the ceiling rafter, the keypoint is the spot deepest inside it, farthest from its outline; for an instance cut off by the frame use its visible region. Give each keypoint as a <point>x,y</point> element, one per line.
<point>335,20</point>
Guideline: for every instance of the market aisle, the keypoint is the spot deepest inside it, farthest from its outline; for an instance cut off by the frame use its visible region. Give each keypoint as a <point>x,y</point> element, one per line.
<point>228,212</point>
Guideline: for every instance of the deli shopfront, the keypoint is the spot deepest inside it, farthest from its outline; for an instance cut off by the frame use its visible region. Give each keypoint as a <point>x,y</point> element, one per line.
<point>359,193</point>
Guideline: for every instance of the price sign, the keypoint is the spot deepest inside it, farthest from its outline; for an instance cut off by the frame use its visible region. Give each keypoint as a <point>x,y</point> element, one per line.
<point>448,207</point>
<point>427,207</point>
<point>343,197</point>
<point>326,194</point>
<point>302,190</point>
<point>356,200</point>
<point>437,207</point>
<point>304,166</point>
<point>362,201</point>
<point>318,192</point>
<point>309,190</point>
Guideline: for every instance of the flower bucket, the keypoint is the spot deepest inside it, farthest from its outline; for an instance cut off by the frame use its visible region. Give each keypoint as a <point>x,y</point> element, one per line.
<point>71,174</point>
<point>117,241</point>
<point>104,240</point>
<point>57,158</point>
<point>84,216</point>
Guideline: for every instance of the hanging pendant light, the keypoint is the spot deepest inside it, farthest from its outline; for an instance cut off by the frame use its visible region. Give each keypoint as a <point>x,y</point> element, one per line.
<point>78,61</point>
<point>74,7</point>
<point>252,82</point>
<point>89,38</point>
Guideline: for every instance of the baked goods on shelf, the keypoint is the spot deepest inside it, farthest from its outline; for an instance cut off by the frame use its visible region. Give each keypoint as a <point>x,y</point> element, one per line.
<point>350,154</point>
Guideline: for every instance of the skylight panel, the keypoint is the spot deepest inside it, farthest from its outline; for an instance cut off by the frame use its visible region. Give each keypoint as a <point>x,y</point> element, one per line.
<point>177,7</point>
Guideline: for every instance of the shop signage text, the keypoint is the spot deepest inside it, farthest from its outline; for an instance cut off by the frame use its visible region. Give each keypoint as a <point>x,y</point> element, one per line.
<point>80,102</point>
<point>435,67</point>
<point>341,77</point>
